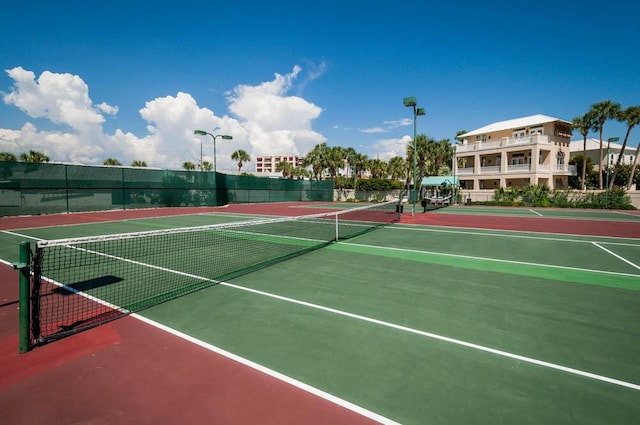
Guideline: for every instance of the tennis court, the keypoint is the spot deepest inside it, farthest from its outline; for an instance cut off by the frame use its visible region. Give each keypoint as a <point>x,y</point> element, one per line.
<point>420,323</point>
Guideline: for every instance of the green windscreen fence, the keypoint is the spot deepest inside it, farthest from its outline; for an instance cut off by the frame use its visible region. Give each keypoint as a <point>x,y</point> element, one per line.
<point>27,188</point>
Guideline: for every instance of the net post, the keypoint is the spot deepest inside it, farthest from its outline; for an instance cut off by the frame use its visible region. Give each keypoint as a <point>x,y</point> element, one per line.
<point>337,229</point>
<point>24,267</point>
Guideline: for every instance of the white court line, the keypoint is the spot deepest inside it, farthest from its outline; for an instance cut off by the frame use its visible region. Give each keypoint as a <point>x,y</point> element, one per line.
<point>277,375</point>
<point>291,381</point>
<point>431,335</point>
<point>442,338</point>
<point>508,234</point>
<point>616,255</point>
<point>495,260</point>
<point>537,213</point>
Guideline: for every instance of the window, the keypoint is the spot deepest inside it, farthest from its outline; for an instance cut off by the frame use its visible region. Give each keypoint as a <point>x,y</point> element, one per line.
<point>517,159</point>
<point>560,159</point>
<point>519,133</point>
<point>536,130</point>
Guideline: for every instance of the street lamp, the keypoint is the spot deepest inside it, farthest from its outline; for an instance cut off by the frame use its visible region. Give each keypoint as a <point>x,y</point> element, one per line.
<point>606,196</point>
<point>411,102</point>
<point>204,133</point>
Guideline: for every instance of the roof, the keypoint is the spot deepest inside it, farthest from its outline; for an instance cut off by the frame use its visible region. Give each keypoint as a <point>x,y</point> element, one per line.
<point>514,123</point>
<point>592,145</point>
<point>439,181</point>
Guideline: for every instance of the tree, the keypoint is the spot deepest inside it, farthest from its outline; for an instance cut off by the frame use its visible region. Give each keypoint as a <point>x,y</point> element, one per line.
<point>334,159</point>
<point>441,154</point>
<point>138,163</point>
<point>8,156</point>
<point>632,116</point>
<point>315,160</point>
<point>299,173</point>
<point>285,168</point>
<point>397,168</point>
<point>590,179</point>
<point>422,149</point>
<point>207,166</point>
<point>34,157</point>
<point>188,165</point>
<point>111,161</point>
<point>359,161</point>
<point>378,168</point>
<point>603,111</point>
<point>240,156</point>
<point>584,124</point>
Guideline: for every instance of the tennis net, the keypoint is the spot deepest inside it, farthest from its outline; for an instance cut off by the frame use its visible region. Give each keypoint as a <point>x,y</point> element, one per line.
<point>79,283</point>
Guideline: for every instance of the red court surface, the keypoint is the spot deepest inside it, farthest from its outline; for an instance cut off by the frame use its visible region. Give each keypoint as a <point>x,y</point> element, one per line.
<point>128,372</point>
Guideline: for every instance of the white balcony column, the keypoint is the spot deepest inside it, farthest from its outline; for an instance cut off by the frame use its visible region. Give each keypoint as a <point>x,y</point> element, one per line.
<point>503,162</point>
<point>476,164</point>
<point>535,157</point>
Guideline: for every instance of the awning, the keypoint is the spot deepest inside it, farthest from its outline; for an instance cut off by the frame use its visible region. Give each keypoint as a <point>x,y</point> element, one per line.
<point>440,181</point>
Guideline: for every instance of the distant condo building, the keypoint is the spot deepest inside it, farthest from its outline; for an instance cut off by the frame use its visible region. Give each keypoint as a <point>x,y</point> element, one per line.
<point>268,164</point>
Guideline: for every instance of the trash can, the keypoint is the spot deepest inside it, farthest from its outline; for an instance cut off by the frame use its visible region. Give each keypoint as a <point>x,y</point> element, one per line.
<point>399,208</point>
<point>468,201</point>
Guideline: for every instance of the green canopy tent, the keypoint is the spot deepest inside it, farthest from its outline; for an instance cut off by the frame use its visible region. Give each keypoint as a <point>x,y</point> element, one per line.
<point>439,181</point>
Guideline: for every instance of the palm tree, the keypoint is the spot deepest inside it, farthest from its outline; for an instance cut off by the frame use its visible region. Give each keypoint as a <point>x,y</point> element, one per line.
<point>422,149</point>
<point>397,167</point>
<point>189,166</point>
<point>334,158</point>
<point>315,159</point>
<point>603,111</point>
<point>8,156</point>
<point>378,168</point>
<point>241,157</point>
<point>138,163</point>
<point>441,153</point>
<point>207,166</point>
<point>359,161</point>
<point>285,168</point>
<point>584,124</point>
<point>632,116</point>
<point>34,157</point>
<point>111,161</point>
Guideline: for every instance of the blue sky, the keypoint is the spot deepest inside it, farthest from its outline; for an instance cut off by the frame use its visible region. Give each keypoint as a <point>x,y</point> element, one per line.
<point>86,81</point>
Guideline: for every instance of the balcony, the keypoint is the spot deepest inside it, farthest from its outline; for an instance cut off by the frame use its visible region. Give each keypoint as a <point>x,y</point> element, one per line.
<point>504,142</point>
<point>494,169</point>
<point>519,168</point>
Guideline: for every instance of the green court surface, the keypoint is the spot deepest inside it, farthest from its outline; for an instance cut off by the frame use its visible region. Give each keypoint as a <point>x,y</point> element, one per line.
<point>568,213</point>
<point>423,324</point>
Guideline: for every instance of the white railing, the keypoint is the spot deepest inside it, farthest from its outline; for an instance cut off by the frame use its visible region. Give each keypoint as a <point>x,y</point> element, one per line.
<point>490,170</point>
<point>465,171</point>
<point>505,141</point>
<point>518,168</point>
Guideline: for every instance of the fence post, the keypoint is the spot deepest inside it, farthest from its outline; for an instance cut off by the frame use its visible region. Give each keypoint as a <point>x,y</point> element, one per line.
<point>24,267</point>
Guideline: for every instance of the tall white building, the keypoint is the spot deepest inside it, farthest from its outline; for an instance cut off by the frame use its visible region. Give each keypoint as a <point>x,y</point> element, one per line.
<point>268,164</point>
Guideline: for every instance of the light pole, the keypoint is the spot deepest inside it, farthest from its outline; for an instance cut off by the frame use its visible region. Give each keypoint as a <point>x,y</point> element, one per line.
<point>454,164</point>
<point>411,102</point>
<point>204,133</point>
<point>606,196</point>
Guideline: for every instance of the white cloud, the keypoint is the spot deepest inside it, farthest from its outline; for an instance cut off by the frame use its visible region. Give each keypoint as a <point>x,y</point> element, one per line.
<point>278,124</point>
<point>373,130</point>
<point>269,122</point>
<point>388,148</point>
<point>399,123</point>
<point>61,98</point>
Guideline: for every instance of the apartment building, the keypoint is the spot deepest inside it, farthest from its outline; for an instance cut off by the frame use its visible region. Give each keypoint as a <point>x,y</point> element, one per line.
<point>268,164</point>
<point>524,151</point>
